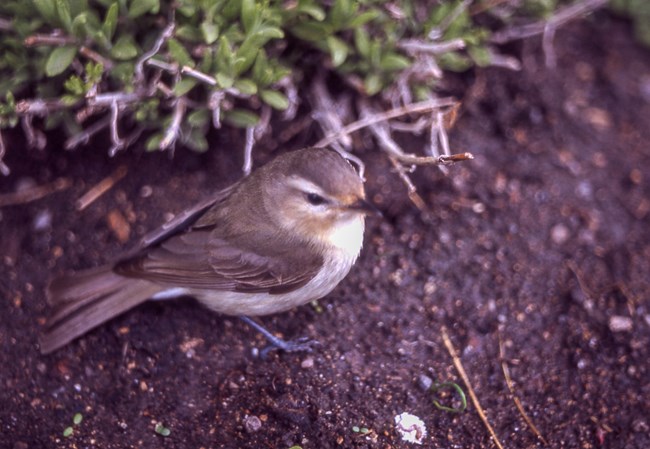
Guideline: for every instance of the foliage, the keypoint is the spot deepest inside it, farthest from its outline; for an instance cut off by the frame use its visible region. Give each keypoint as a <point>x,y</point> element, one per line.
<point>171,69</point>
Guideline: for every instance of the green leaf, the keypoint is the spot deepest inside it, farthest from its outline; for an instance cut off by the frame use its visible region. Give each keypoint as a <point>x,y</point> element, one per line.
<point>47,9</point>
<point>363,18</point>
<point>340,12</point>
<point>362,41</point>
<point>454,61</point>
<point>312,31</point>
<point>196,141</point>
<point>184,86</point>
<point>246,86</point>
<point>140,7</point>
<point>275,99</point>
<point>241,118</point>
<point>124,49</point>
<point>225,81</point>
<point>249,15</point>
<point>59,60</point>
<point>313,10</point>
<point>153,142</point>
<point>110,21</point>
<point>75,86</point>
<point>210,32</point>
<point>225,56</point>
<point>179,53</point>
<point>338,50</point>
<point>189,33</point>
<point>63,13</point>
<point>198,119</point>
<point>394,62</point>
<point>481,55</point>
<point>372,84</point>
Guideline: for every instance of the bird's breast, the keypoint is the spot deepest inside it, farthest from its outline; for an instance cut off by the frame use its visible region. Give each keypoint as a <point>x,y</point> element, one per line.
<point>341,248</point>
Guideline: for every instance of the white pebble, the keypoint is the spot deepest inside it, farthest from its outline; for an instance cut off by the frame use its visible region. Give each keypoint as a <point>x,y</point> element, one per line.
<point>619,323</point>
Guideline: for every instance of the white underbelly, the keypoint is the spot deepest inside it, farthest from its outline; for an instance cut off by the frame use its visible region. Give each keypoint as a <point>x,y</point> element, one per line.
<point>344,247</point>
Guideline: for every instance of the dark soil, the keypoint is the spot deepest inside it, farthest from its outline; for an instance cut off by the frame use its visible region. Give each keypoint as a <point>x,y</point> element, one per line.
<point>541,246</point>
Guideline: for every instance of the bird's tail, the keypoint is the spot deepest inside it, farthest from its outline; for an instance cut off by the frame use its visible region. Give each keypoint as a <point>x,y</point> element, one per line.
<point>87,299</point>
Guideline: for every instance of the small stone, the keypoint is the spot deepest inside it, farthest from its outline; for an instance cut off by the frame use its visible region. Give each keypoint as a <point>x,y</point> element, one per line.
<point>560,234</point>
<point>252,423</point>
<point>619,323</point>
<point>118,224</point>
<point>425,382</point>
<point>146,191</point>
<point>307,363</point>
<point>42,221</point>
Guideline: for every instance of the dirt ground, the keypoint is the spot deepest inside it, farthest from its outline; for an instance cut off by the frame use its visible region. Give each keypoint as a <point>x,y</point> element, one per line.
<point>535,256</point>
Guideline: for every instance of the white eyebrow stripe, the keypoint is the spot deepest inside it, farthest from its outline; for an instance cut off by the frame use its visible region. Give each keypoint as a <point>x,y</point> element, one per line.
<point>306,186</point>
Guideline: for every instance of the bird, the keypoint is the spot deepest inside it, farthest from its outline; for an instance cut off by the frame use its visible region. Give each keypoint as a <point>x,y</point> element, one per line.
<point>283,236</point>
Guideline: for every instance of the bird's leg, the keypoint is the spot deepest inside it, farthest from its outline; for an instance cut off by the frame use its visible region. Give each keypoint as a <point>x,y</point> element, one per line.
<point>299,345</point>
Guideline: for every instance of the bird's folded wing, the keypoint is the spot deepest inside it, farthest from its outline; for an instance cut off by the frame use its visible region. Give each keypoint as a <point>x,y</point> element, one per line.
<point>183,219</point>
<point>196,259</point>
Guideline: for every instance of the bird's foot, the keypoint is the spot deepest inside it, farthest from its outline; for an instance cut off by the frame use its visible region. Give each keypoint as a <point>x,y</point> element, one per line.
<point>303,344</point>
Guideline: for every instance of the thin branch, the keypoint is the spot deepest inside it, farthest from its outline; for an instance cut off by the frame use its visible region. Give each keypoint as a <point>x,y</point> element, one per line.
<point>214,104</point>
<point>413,108</point>
<point>291,91</point>
<point>203,77</point>
<point>520,407</point>
<point>174,129</point>
<point>34,193</point>
<point>100,188</point>
<point>90,54</point>
<point>4,168</point>
<point>35,138</point>
<point>117,142</point>
<point>413,46</point>
<point>413,194</point>
<point>547,45</point>
<point>54,39</point>
<point>84,136</point>
<point>107,99</point>
<point>248,150</point>
<point>164,37</point>
<point>461,371</point>
<point>325,113</point>
<point>449,19</point>
<point>39,107</point>
<point>561,17</point>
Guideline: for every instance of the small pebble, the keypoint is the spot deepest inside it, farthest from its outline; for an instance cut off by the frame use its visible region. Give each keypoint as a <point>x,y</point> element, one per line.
<point>252,423</point>
<point>42,220</point>
<point>307,363</point>
<point>619,323</point>
<point>425,382</point>
<point>559,234</point>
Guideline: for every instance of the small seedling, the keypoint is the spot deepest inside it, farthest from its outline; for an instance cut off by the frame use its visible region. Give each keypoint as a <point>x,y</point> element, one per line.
<point>442,385</point>
<point>76,420</point>
<point>160,429</point>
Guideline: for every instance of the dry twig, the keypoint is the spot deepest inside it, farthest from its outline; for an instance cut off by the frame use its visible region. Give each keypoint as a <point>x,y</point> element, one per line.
<point>548,27</point>
<point>520,407</point>
<point>100,188</point>
<point>34,193</point>
<point>461,371</point>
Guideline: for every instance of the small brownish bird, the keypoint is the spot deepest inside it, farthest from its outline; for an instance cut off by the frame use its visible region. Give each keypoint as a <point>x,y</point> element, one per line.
<point>281,237</point>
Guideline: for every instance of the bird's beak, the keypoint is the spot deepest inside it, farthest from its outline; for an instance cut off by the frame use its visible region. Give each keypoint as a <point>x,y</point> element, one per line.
<point>366,207</point>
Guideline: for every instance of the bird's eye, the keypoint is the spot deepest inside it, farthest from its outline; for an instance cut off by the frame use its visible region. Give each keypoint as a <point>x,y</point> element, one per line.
<point>315,199</point>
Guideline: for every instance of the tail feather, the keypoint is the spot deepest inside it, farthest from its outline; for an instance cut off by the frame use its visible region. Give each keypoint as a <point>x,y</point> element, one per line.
<point>87,299</point>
